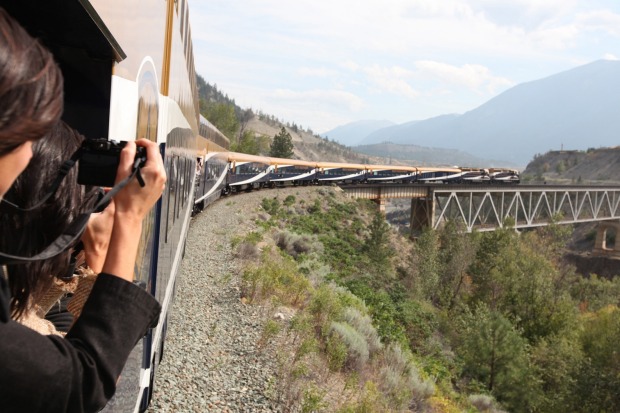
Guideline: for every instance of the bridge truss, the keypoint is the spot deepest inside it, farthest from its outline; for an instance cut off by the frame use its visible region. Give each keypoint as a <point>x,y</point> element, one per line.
<point>527,206</point>
<point>486,208</point>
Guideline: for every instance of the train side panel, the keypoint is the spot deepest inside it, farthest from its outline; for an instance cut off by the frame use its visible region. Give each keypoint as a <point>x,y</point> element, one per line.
<point>154,97</point>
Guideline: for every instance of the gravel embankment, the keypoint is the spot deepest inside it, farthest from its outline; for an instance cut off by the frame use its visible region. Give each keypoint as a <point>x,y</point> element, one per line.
<point>211,360</point>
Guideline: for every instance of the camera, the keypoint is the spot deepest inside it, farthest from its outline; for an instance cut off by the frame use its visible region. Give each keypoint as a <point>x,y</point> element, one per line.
<point>99,161</point>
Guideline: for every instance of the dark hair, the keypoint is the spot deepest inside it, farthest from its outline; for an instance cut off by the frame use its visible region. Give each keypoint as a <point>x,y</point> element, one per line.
<point>31,87</point>
<point>27,233</point>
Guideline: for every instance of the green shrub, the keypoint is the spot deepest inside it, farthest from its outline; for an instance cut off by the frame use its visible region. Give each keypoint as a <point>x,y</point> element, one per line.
<point>357,347</point>
<point>325,307</point>
<point>294,244</point>
<point>275,278</point>
<point>312,401</point>
<point>401,380</point>
<point>315,207</point>
<point>363,325</point>
<point>248,251</point>
<point>289,200</point>
<point>270,330</point>
<point>483,402</point>
<point>336,351</point>
<point>370,401</point>
<point>253,237</point>
<point>385,313</point>
<point>271,206</point>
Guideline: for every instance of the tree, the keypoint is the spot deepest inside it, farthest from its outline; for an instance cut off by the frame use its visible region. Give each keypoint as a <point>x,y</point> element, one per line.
<point>426,265</point>
<point>599,379</point>
<point>244,116</point>
<point>223,116</point>
<point>494,354</point>
<point>282,145</point>
<point>377,245</point>
<point>458,250</point>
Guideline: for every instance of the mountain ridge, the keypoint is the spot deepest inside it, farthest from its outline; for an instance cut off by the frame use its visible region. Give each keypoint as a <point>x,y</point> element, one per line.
<point>571,109</point>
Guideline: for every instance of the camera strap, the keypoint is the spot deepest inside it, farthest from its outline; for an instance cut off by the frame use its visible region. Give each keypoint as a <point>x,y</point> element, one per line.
<point>74,230</point>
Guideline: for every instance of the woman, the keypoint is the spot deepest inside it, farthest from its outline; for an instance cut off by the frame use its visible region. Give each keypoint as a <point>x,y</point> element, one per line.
<point>39,288</point>
<point>78,373</point>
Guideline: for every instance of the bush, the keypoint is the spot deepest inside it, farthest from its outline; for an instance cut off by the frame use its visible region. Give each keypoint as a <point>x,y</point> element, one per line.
<point>294,244</point>
<point>271,206</point>
<point>270,330</point>
<point>336,351</point>
<point>356,346</point>
<point>484,403</point>
<point>312,401</point>
<point>401,379</point>
<point>247,251</point>
<point>289,200</point>
<point>275,278</point>
<point>325,307</point>
<point>363,325</point>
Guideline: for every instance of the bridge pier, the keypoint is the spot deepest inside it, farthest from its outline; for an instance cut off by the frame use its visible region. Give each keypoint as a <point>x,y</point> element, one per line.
<point>381,203</point>
<point>422,213</point>
<point>604,231</point>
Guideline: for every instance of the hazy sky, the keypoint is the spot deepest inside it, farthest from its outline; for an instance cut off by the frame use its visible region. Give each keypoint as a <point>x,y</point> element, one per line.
<point>323,63</point>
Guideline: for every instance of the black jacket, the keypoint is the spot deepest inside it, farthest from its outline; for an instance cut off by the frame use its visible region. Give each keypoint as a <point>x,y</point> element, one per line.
<point>77,373</point>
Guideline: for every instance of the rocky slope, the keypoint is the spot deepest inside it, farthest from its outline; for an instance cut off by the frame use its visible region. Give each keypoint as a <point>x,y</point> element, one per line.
<point>594,166</point>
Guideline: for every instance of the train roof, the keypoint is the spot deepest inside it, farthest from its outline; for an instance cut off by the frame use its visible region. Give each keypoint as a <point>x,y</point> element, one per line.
<point>341,165</point>
<point>404,168</point>
<point>244,157</point>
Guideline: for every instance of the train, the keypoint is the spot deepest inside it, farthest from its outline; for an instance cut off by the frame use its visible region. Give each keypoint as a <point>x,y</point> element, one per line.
<point>129,73</point>
<point>244,172</point>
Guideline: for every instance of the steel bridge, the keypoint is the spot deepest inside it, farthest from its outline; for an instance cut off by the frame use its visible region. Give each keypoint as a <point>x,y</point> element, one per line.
<point>488,207</point>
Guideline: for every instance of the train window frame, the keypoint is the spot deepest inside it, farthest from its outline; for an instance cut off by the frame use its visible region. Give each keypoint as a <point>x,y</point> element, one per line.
<point>168,189</point>
<point>176,190</point>
<point>182,19</point>
<point>181,175</point>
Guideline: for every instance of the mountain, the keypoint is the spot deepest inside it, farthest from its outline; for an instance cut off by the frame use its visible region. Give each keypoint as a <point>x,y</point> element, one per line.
<point>575,109</point>
<point>391,153</point>
<point>353,133</point>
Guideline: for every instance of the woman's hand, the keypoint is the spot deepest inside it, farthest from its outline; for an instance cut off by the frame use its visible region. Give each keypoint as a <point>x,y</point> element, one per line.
<point>135,201</point>
<point>97,235</point>
<point>132,204</point>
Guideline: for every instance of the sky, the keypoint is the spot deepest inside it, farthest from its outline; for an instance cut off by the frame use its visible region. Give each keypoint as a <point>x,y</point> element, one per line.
<point>326,63</point>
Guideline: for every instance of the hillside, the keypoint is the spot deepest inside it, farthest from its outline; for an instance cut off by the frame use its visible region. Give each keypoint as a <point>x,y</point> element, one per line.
<point>574,109</point>
<point>234,121</point>
<point>592,166</point>
<point>309,302</point>
<point>307,145</point>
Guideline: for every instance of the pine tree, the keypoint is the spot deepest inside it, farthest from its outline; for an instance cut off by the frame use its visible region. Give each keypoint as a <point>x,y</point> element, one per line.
<point>282,145</point>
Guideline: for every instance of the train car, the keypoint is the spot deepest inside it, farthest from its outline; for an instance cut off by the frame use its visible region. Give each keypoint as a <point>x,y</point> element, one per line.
<point>504,176</point>
<point>292,172</point>
<point>211,164</point>
<point>448,175</point>
<point>129,73</point>
<point>247,172</point>
<point>401,174</point>
<point>341,172</point>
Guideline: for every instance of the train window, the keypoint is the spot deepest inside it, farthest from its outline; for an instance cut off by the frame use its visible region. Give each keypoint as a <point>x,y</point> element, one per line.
<point>179,189</point>
<point>182,13</point>
<point>186,30</point>
<point>168,190</point>
<point>176,189</point>
<point>186,182</point>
